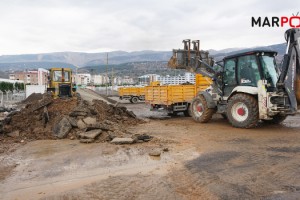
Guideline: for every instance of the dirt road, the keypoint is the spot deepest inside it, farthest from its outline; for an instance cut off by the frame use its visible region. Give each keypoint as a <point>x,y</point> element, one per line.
<point>199,161</point>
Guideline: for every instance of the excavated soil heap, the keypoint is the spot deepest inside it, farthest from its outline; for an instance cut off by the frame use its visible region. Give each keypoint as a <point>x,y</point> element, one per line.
<point>32,98</point>
<point>29,123</point>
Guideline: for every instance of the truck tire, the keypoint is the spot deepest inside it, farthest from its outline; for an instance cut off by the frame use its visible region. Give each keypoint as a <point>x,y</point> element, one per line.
<point>224,116</point>
<point>134,99</point>
<point>172,114</point>
<point>187,112</point>
<point>200,111</point>
<point>242,111</point>
<point>277,119</point>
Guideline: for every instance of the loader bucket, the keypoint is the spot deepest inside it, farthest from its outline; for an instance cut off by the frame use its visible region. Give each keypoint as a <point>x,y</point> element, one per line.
<point>172,62</point>
<point>184,59</point>
<point>179,60</point>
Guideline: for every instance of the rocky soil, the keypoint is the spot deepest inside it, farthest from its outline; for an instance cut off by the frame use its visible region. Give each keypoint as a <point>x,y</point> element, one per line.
<point>43,117</point>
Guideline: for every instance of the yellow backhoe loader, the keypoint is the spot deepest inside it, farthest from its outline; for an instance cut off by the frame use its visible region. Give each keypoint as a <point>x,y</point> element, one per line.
<point>60,82</point>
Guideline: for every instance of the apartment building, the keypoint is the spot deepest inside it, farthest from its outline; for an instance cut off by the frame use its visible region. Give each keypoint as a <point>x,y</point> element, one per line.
<point>31,77</point>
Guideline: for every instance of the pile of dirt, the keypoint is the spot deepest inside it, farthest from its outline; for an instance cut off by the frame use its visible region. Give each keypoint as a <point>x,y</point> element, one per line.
<point>32,98</point>
<point>74,118</point>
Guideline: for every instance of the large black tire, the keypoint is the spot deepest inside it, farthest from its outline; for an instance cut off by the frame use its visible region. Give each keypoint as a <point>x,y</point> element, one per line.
<point>134,99</point>
<point>224,116</point>
<point>172,114</point>
<point>187,112</point>
<point>200,111</point>
<point>277,119</point>
<point>242,111</point>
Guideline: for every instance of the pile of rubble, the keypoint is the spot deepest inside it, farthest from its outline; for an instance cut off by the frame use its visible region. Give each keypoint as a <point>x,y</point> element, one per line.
<point>74,118</point>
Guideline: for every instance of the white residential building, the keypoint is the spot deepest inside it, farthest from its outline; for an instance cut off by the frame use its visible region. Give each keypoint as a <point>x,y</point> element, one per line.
<point>99,79</point>
<point>127,80</point>
<point>148,78</point>
<point>177,80</point>
<point>82,79</point>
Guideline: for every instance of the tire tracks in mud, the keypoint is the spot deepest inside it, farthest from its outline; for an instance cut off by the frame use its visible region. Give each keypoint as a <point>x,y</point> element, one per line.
<point>252,172</point>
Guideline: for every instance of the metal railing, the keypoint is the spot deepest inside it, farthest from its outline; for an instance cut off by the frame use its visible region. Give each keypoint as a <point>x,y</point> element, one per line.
<point>9,99</point>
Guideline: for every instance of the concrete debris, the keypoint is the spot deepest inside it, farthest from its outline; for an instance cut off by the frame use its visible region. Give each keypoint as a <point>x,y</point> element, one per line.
<point>143,137</point>
<point>102,126</point>
<point>122,141</point>
<point>73,122</point>
<point>42,103</point>
<point>62,128</point>
<point>81,125</point>
<point>95,122</point>
<point>34,97</point>
<point>155,152</point>
<point>78,113</point>
<point>88,140</point>
<point>90,120</point>
<point>90,134</point>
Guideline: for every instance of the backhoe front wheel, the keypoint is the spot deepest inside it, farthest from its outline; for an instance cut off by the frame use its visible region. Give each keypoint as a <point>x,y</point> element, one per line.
<point>242,111</point>
<point>200,111</point>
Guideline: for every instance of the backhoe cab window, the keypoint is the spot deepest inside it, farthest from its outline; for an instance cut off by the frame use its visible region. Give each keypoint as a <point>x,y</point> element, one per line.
<point>268,68</point>
<point>229,76</point>
<point>248,73</point>
<point>57,76</point>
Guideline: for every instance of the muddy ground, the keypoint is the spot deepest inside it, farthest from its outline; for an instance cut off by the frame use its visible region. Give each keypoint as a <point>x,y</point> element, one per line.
<point>198,161</point>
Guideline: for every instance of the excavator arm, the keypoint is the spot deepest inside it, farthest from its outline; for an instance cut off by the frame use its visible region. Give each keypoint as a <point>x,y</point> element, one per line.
<point>289,78</point>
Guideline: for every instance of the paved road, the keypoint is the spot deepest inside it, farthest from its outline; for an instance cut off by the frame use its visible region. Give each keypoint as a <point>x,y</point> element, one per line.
<point>89,95</point>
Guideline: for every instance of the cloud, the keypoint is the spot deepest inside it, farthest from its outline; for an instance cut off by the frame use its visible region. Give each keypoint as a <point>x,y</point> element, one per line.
<point>34,26</point>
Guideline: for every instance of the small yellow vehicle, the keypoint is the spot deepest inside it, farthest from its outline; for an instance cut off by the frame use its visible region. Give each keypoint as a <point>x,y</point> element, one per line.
<point>60,82</point>
<point>133,94</point>
<point>175,98</point>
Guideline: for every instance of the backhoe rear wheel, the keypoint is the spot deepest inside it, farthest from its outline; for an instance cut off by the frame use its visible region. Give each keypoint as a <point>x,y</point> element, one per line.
<point>242,111</point>
<point>200,111</point>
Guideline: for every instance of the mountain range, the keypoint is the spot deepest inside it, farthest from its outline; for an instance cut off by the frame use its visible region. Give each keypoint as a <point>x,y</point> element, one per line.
<point>119,60</point>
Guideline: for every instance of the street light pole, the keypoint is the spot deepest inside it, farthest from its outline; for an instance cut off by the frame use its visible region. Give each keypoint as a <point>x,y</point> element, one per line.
<point>106,74</point>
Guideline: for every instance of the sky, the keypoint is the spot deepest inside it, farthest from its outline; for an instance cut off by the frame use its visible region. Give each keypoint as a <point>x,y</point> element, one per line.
<point>42,26</point>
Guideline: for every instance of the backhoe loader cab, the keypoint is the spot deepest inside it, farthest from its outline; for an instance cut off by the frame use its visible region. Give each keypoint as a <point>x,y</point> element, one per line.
<point>60,82</point>
<point>246,69</point>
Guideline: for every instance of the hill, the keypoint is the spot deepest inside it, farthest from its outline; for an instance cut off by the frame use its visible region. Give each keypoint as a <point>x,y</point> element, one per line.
<point>122,62</point>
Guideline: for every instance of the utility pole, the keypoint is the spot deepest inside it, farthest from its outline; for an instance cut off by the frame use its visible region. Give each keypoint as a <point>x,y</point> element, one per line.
<point>76,82</point>
<point>112,79</point>
<point>106,74</point>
